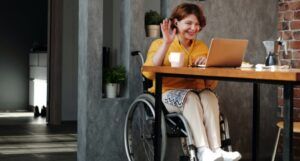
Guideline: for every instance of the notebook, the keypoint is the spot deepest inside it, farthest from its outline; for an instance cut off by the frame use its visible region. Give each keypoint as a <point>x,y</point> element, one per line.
<point>226,52</point>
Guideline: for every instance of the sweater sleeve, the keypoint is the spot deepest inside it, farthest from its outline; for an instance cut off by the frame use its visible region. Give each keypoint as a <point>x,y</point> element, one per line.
<point>149,60</point>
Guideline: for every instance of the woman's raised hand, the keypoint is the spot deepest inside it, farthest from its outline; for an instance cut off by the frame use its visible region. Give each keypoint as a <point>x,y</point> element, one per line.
<point>168,38</point>
<point>168,35</point>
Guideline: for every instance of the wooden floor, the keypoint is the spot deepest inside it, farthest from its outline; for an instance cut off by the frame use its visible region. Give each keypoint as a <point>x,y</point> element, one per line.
<point>25,138</point>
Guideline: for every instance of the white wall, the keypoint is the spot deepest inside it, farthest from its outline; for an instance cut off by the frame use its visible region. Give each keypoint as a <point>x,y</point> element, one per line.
<point>69,60</point>
<point>37,70</point>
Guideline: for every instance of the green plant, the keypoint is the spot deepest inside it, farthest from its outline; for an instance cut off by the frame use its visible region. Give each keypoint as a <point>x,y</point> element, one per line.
<point>115,74</point>
<point>153,18</point>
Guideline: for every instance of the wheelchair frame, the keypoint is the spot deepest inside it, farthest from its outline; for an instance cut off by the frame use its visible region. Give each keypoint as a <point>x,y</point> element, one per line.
<point>143,108</point>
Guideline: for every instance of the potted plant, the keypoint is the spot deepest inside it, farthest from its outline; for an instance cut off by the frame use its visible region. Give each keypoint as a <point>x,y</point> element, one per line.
<point>152,22</point>
<point>113,77</point>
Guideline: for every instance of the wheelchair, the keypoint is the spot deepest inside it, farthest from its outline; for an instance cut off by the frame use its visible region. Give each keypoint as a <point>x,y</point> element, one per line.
<point>139,128</point>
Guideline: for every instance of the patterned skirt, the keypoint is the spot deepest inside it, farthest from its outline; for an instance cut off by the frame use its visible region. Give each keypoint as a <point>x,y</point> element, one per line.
<point>176,97</point>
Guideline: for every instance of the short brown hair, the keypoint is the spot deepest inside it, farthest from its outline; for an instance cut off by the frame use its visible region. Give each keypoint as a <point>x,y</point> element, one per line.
<point>185,9</point>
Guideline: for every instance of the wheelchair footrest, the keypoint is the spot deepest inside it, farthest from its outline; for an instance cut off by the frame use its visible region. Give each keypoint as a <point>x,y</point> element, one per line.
<point>226,143</point>
<point>184,158</point>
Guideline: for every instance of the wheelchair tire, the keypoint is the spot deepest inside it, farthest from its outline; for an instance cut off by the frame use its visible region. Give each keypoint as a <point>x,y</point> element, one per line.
<point>139,132</point>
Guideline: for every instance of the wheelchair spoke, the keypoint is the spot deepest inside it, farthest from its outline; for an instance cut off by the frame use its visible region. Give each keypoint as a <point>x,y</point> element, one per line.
<point>139,130</point>
<point>141,135</point>
<point>139,122</point>
<point>150,147</point>
<point>147,155</point>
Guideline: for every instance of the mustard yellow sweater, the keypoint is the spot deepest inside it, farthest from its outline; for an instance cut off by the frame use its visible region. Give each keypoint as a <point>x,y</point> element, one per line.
<point>198,48</point>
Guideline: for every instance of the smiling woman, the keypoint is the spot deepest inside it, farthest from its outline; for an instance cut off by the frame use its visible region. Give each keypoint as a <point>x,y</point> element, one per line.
<point>194,98</point>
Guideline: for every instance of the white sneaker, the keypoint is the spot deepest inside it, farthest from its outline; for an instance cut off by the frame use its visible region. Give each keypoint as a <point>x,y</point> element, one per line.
<point>205,154</point>
<point>229,156</point>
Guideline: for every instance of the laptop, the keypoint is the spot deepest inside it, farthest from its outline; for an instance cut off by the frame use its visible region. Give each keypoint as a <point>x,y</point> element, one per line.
<point>226,52</point>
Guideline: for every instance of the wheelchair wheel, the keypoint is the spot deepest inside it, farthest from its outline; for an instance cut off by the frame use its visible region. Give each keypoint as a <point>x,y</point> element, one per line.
<point>139,130</point>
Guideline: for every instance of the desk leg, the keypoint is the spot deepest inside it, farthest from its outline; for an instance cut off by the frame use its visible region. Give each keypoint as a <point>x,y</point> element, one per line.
<point>288,123</point>
<point>157,123</point>
<point>255,121</point>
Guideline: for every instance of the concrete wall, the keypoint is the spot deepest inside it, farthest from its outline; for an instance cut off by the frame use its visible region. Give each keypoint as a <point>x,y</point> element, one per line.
<point>256,21</point>
<point>111,30</point>
<point>100,121</point>
<point>69,60</point>
<point>152,5</point>
<point>23,22</point>
<point>108,15</point>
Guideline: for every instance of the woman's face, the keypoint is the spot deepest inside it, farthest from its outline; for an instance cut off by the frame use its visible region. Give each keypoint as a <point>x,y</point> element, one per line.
<point>188,27</point>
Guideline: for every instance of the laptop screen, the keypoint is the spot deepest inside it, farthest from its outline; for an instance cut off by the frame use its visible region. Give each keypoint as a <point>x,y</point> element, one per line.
<point>226,52</point>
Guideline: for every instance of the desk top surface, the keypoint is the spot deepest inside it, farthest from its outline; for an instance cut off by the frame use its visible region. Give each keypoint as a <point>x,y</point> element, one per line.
<point>239,73</point>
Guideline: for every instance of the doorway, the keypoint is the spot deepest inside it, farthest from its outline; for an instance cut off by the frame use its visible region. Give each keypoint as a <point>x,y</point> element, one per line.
<point>24,31</point>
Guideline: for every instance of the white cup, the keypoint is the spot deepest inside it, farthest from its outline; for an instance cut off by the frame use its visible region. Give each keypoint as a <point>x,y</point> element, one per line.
<point>176,59</point>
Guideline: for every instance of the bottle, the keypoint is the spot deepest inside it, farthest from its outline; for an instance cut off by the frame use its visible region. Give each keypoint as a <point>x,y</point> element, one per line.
<point>271,59</point>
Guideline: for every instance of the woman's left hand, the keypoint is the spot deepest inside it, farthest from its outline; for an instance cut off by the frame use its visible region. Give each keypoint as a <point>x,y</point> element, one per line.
<point>200,60</point>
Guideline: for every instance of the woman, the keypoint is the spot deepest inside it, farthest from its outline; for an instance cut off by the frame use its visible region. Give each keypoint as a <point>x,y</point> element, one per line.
<point>192,97</point>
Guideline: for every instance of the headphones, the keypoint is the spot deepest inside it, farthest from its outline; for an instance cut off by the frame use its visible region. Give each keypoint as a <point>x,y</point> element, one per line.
<point>176,23</point>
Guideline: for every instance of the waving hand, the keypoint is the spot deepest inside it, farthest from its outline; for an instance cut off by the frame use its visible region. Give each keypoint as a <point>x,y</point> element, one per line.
<point>168,35</point>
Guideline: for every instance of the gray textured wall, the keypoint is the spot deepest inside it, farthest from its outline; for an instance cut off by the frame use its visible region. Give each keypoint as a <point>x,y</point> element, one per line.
<point>111,30</point>
<point>152,5</point>
<point>100,121</point>
<point>256,21</point>
<point>107,26</point>
<point>69,60</point>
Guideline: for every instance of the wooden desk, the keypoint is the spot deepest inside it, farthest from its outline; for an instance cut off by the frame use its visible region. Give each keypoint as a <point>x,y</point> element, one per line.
<point>286,77</point>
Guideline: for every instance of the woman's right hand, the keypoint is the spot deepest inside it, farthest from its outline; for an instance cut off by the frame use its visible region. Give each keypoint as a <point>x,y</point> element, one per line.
<point>168,36</point>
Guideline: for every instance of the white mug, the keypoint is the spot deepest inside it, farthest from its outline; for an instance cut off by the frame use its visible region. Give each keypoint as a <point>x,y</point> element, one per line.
<point>176,59</point>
